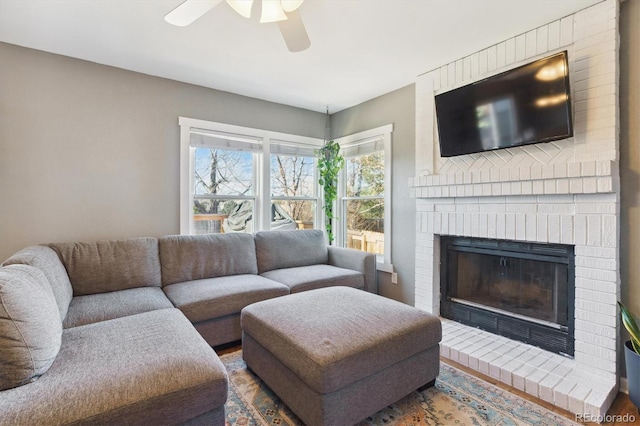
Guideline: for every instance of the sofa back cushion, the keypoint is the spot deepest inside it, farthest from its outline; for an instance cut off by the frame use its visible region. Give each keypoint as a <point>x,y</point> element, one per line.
<point>103,266</point>
<point>30,326</point>
<point>290,249</point>
<point>195,257</point>
<point>45,259</point>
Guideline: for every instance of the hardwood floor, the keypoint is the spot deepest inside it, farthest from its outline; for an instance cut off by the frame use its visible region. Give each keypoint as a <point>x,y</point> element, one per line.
<point>621,409</point>
<point>228,348</point>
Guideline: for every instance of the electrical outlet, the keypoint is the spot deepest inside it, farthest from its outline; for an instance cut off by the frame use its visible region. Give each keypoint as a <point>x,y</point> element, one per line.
<point>394,278</point>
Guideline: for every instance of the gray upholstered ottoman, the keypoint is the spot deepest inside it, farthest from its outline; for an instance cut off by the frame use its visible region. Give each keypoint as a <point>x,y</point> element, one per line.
<point>337,355</point>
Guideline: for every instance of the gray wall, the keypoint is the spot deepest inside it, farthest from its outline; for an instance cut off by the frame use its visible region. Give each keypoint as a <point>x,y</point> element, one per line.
<point>397,108</point>
<point>91,152</point>
<point>630,153</point>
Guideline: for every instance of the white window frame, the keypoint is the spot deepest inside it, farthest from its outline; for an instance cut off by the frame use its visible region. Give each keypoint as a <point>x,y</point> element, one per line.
<point>262,176</point>
<point>384,133</point>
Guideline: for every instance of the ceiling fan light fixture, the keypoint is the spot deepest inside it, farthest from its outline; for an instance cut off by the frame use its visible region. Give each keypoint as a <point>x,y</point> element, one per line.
<point>290,5</point>
<point>243,7</point>
<point>272,11</point>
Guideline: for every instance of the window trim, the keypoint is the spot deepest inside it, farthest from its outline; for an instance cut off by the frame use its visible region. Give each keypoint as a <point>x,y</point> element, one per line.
<point>384,262</point>
<point>262,159</point>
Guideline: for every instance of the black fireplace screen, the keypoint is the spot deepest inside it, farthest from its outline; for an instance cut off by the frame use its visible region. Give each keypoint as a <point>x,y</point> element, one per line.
<point>532,288</point>
<point>516,289</point>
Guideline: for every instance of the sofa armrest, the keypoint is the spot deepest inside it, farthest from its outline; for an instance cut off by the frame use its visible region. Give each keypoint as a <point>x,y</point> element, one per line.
<point>358,261</point>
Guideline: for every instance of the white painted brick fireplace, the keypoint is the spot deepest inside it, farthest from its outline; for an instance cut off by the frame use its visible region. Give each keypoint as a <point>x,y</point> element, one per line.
<point>560,192</point>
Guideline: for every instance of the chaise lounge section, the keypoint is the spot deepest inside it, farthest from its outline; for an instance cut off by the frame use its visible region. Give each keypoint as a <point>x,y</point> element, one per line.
<point>88,337</point>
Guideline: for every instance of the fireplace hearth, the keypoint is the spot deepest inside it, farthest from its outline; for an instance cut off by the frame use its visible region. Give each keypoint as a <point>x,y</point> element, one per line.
<point>520,290</point>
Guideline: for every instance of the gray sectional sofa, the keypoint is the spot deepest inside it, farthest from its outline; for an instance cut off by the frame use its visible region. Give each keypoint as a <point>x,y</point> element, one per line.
<point>121,331</point>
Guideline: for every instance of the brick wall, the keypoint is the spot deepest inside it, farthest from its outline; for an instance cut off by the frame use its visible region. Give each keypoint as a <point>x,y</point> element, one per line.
<point>559,192</point>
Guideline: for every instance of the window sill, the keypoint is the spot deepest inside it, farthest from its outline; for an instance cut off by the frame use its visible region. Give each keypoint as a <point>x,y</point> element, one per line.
<point>384,267</point>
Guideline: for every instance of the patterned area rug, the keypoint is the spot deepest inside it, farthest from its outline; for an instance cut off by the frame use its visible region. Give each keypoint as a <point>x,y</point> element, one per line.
<point>456,399</point>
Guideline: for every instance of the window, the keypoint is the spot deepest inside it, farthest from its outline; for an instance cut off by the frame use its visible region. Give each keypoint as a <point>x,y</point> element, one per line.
<point>223,199</point>
<point>365,193</point>
<point>238,179</point>
<point>223,181</point>
<point>294,188</point>
<point>363,205</point>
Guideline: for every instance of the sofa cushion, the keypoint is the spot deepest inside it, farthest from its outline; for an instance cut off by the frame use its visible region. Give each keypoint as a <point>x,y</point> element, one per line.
<point>116,304</point>
<point>150,368</point>
<point>30,326</point>
<point>205,299</point>
<point>103,266</point>
<point>311,277</point>
<point>288,249</point>
<point>195,257</point>
<point>45,259</point>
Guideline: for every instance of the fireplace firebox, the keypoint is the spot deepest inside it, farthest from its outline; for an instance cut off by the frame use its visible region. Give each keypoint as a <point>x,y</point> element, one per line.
<point>523,291</point>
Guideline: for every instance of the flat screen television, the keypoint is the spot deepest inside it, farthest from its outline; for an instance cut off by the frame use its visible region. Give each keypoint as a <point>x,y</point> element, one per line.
<point>522,106</point>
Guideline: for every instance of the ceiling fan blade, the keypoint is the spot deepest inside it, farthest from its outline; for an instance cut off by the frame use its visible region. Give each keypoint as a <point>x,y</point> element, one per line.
<point>189,11</point>
<point>294,32</point>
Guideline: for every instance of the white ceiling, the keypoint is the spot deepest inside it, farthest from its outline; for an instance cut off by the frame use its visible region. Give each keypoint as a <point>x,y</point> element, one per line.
<point>360,49</point>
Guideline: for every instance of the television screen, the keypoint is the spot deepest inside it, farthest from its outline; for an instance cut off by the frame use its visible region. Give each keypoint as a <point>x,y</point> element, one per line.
<point>525,105</point>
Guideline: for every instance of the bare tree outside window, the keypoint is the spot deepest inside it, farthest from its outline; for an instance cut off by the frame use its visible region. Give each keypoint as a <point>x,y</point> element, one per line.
<point>292,187</point>
<point>219,176</point>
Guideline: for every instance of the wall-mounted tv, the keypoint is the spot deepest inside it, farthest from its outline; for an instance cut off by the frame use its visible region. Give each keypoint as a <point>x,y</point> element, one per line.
<point>522,106</point>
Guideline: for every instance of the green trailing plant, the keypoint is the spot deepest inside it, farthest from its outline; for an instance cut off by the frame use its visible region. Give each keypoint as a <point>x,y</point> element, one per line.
<point>631,325</point>
<point>330,162</point>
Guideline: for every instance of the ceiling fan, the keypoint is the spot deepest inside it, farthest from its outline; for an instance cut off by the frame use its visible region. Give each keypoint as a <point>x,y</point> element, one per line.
<point>284,12</point>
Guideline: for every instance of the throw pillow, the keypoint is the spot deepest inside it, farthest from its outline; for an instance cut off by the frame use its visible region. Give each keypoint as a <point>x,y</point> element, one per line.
<point>30,325</point>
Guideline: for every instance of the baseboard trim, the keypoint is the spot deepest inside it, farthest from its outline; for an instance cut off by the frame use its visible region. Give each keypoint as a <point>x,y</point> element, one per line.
<point>624,385</point>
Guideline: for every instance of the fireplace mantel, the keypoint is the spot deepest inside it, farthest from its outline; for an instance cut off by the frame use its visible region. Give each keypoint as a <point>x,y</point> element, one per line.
<point>587,177</point>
